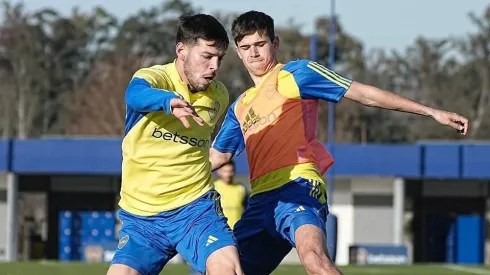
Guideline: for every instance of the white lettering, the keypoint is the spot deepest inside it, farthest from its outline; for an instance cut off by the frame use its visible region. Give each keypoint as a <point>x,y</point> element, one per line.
<point>386,259</point>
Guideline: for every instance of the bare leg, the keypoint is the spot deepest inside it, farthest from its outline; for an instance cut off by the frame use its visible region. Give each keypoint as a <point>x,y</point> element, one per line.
<point>120,269</point>
<point>224,261</point>
<point>310,244</point>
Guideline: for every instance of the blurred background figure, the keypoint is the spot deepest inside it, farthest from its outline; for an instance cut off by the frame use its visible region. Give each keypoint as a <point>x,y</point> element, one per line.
<point>233,194</point>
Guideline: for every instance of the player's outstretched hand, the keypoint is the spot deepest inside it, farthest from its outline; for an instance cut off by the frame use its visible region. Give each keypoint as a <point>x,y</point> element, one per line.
<point>181,109</point>
<point>453,120</point>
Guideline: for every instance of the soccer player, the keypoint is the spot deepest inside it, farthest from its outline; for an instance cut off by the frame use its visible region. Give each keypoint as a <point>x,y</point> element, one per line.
<point>276,122</point>
<point>168,204</point>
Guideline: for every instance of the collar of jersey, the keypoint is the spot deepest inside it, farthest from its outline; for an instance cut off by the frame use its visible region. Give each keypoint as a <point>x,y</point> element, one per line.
<point>252,92</point>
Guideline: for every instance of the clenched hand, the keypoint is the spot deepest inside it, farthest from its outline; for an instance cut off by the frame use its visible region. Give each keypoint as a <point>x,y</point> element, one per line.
<point>453,120</point>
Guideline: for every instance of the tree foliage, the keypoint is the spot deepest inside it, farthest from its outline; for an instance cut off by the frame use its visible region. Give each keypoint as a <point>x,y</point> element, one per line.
<point>66,75</point>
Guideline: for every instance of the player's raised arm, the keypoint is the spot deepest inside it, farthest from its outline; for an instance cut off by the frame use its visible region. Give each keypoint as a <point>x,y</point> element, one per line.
<point>229,141</point>
<point>318,82</point>
<point>375,97</point>
<point>147,92</point>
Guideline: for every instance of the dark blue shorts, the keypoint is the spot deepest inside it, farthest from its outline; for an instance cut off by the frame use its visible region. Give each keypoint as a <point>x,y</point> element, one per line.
<point>194,231</point>
<point>265,233</point>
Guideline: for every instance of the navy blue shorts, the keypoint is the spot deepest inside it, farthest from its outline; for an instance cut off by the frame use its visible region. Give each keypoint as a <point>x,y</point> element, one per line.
<point>194,231</point>
<point>265,233</point>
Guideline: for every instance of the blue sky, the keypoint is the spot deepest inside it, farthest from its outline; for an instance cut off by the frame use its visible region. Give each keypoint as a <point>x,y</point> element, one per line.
<point>389,24</point>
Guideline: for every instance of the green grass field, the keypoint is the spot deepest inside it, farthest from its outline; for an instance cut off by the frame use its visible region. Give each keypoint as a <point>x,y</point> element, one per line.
<point>51,268</point>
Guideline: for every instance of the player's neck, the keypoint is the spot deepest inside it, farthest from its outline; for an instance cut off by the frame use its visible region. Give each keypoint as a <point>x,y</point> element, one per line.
<point>180,69</point>
<point>258,78</point>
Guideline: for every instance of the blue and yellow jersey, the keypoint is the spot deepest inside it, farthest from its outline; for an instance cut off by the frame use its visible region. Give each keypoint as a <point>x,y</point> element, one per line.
<point>166,165</point>
<point>300,83</point>
<point>233,200</point>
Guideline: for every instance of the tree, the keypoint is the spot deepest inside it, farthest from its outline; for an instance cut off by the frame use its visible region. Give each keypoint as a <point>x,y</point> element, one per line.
<point>99,101</point>
<point>22,59</point>
<point>475,74</point>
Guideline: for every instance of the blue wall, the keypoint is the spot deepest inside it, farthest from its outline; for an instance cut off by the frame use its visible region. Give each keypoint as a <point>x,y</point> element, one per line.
<point>67,156</point>
<point>377,160</point>
<point>103,156</point>
<point>476,159</point>
<point>4,155</point>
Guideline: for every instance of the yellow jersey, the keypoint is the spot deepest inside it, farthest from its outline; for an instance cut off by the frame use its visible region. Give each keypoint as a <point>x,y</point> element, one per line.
<point>165,165</point>
<point>233,200</point>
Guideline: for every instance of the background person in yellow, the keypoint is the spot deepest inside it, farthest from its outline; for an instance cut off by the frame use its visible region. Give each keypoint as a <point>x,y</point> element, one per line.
<point>168,203</point>
<point>233,194</point>
<point>276,122</point>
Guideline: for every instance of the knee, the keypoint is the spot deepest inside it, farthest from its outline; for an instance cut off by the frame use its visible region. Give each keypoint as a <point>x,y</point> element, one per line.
<point>310,257</point>
<point>317,262</point>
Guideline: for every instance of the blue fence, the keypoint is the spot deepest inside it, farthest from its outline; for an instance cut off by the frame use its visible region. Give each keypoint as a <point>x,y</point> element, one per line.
<point>103,156</point>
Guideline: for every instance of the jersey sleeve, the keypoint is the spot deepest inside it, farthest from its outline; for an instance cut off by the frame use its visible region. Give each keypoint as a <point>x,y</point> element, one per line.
<point>315,81</point>
<point>147,92</point>
<point>230,138</point>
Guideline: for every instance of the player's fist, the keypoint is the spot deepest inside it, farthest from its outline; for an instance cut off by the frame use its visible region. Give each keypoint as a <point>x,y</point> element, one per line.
<point>453,120</point>
<point>181,109</point>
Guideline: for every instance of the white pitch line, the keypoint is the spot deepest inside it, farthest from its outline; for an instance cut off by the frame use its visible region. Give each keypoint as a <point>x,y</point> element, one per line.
<point>466,269</point>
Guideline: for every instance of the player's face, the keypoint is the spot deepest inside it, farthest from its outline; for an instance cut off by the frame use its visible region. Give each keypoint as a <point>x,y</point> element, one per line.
<point>258,53</point>
<point>226,173</point>
<point>201,63</point>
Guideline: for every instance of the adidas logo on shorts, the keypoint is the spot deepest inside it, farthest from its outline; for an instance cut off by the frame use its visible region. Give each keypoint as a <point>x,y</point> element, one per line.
<point>211,239</point>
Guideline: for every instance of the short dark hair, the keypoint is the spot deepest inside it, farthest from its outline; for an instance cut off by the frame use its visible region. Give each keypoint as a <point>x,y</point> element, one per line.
<point>202,26</point>
<point>250,22</point>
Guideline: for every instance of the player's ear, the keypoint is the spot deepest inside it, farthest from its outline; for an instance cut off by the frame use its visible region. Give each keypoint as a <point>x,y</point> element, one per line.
<point>275,42</point>
<point>181,51</point>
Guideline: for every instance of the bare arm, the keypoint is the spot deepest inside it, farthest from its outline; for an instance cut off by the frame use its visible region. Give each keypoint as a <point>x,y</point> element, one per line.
<point>218,159</point>
<point>375,97</point>
<point>318,82</point>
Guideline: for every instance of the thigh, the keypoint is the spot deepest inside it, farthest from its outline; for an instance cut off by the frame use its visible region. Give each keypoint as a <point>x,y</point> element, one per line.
<point>224,261</point>
<point>310,238</point>
<point>206,231</point>
<point>299,205</point>
<point>260,251</point>
<point>120,269</point>
<point>141,247</point>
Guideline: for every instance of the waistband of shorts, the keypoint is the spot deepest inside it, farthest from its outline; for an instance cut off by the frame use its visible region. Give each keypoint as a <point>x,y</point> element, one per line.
<point>298,181</point>
<point>210,195</point>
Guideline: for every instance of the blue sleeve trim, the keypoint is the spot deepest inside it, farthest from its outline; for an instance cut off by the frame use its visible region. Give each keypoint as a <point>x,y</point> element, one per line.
<point>141,97</point>
<point>230,138</point>
<point>317,82</point>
